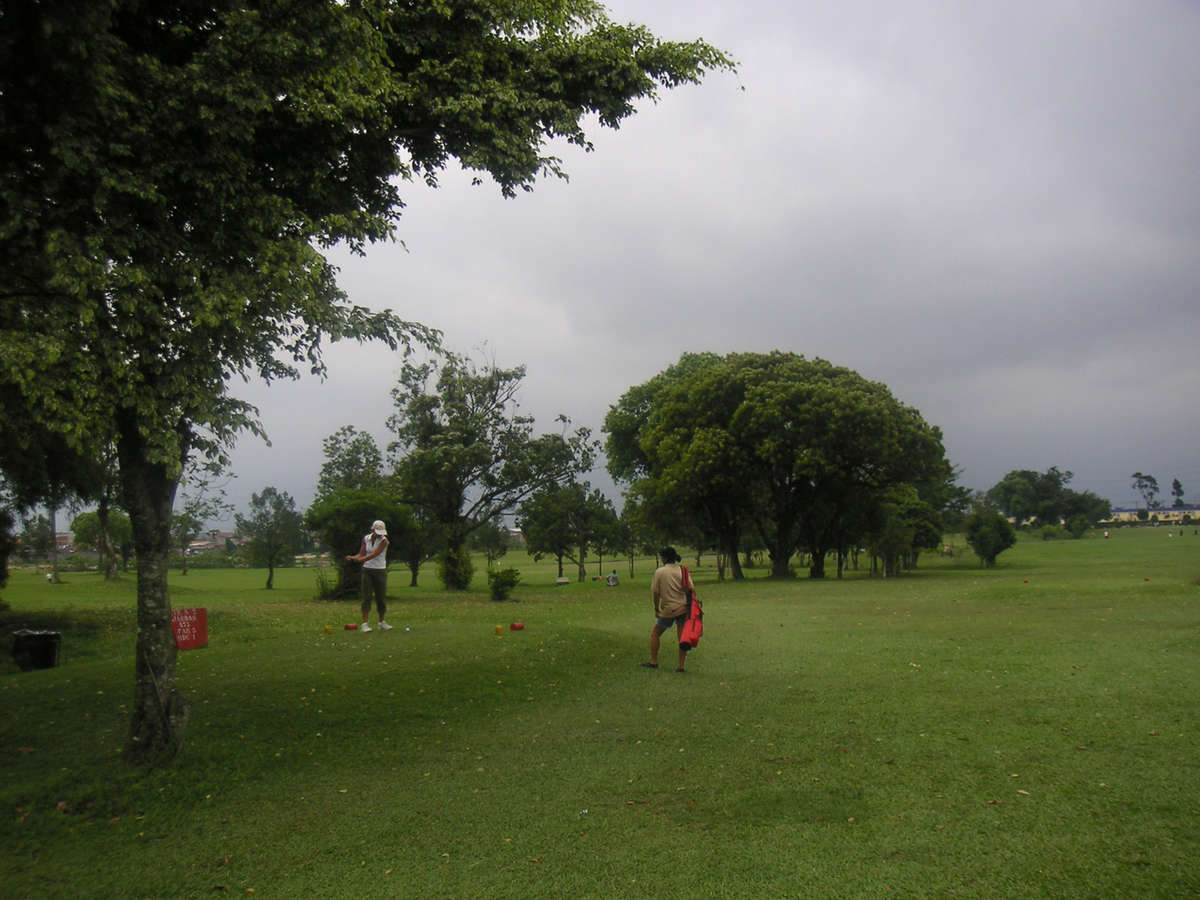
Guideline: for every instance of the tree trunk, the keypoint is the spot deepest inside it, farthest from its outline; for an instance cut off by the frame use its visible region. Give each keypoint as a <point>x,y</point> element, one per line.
<point>816,568</point>
<point>159,714</point>
<point>270,576</point>
<point>731,551</point>
<point>53,511</point>
<point>108,553</point>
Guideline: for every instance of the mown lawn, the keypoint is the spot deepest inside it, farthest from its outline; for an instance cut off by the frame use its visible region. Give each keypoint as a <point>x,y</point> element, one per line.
<point>1024,731</point>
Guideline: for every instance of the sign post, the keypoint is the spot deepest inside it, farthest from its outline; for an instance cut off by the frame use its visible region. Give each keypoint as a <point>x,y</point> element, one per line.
<point>190,627</point>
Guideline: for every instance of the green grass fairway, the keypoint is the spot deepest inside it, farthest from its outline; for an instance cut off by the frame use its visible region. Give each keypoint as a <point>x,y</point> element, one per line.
<point>1026,731</point>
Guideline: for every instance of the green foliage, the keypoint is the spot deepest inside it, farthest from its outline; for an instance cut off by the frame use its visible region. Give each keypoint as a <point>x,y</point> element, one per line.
<point>455,569</point>
<point>566,521</point>
<point>791,448</point>
<point>37,537</point>
<point>341,520</point>
<point>1027,496</point>
<point>465,455</point>
<point>353,461</point>
<point>1147,487</point>
<point>906,524</point>
<point>274,531</point>
<point>86,529</point>
<point>327,580</point>
<point>492,540</point>
<point>502,582</point>
<point>1177,492</point>
<point>1078,525</point>
<point>1052,532</point>
<point>169,182</point>
<point>989,534</point>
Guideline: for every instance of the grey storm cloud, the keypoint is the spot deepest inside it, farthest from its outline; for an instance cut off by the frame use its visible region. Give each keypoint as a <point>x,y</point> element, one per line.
<point>994,208</point>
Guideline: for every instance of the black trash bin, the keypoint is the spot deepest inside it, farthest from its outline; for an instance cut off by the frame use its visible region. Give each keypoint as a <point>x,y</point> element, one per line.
<point>36,649</point>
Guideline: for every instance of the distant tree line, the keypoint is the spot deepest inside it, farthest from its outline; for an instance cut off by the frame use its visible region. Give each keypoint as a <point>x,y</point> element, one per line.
<point>1043,500</point>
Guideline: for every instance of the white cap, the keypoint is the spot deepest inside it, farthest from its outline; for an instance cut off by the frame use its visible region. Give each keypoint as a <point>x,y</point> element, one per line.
<point>379,528</point>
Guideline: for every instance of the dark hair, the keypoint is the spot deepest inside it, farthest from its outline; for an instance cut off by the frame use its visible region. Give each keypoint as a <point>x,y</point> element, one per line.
<point>669,555</point>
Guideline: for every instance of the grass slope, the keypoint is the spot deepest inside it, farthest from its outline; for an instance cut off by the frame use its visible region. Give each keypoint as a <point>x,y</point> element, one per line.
<point>1024,731</point>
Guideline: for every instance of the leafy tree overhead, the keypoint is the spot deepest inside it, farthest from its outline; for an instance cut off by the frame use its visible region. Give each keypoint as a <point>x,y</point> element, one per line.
<point>170,177</point>
<point>465,455</point>
<point>274,530</point>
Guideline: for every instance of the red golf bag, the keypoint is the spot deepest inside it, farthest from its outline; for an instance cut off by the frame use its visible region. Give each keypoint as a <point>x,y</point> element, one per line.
<point>693,627</point>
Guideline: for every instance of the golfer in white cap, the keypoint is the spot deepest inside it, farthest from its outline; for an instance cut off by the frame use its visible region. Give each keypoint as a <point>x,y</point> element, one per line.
<point>373,555</point>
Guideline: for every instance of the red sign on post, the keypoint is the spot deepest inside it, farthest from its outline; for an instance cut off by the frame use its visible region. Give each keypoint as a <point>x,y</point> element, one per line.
<point>190,627</point>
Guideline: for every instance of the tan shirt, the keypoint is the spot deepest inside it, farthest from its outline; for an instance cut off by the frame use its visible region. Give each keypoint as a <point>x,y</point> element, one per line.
<point>669,598</point>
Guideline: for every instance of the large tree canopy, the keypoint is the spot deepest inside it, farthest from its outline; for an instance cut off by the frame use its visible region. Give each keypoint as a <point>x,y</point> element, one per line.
<point>169,175</point>
<point>793,448</point>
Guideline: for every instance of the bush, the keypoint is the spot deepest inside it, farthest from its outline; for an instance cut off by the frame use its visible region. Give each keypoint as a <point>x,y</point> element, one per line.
<point>328,583</point>
<point>213,559</point>
<point>989,534</point>
<point>1078,525</point>
<point>456,569</point>
<point>502,583</point>
<point>1051,533</point>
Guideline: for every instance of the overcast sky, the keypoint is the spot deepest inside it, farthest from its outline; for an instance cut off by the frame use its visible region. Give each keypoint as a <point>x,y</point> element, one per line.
<point>993,208</point>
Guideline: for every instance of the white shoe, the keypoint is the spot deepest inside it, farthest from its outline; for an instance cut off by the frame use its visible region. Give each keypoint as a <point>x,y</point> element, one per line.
<point>383,626</point>
<point>364,627</point>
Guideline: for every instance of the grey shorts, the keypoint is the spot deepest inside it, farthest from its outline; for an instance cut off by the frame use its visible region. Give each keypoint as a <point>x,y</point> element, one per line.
<point>665,624</point>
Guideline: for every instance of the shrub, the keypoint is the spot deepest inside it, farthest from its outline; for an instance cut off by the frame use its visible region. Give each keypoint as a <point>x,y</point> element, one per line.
<point>455,568</point>
<point>989,534</point>
<point>1078,525</point>
<point>1051,533</point>
<point>502,583</point>
<point>328,583</point>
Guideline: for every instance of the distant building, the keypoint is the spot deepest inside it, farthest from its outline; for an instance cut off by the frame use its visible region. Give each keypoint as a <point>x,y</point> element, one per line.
<point>214,540</point>
<point>1167,515</point>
